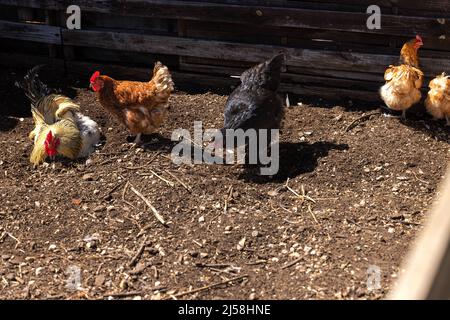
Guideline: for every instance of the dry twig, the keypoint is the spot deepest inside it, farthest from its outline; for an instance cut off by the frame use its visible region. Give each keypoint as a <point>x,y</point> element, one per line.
<point>303,196</point>
<point>187,187</point>
<point>313,215</point>
<point>138,253</point>
<point>361,119</point>
<point>112,190</point>
<point>148,203</point>
<point>225,207</point>
<point>418,179</point>
<point>254,263</point>
<point>197,243</point>
<point>169,183</point>
<point>107,161</point>
<point>212,265</point>
<point>290,264</point>
<point>145,165</point>
<point>14,238</point>
<point>229,195</point>
<point>124,294</point>
<point>211,286</point>
<point>124,191</point>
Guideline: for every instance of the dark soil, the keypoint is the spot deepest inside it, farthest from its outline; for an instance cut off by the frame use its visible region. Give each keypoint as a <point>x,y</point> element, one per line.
<point>368,192</point>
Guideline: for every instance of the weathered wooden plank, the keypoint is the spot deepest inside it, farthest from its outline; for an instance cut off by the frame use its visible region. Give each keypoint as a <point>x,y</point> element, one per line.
<point>13,46</point>
<point>310,38</point>
<point>340,38</point>
<point>318,59</point>
<point>313,83</point>
<point>45,4</point>
<point>270,16</point>
<point>94,20</point>
<point>226,84</point>
<point>30,32</point>
<point>24,60</point>
<point>219,62</point>
<point>361,86</point>
<point>189,79</point>
<point>216,30</point>
<point>439,6</point>
<point>67,51</point>
<point>425,8</point>
<point>126,58</point>
<point>25,14</point>
<point>431,5</point>
<point>50,19</point>
<point>8,13</point>
<point>310,80</point>
<point>331,95</point>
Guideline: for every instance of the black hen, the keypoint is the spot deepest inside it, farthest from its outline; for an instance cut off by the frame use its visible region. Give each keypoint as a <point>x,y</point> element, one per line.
<point>255,104</point>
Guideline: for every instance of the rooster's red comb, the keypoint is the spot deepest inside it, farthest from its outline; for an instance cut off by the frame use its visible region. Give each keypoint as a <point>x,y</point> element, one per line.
<point>49,137</point>
<point>419,39</point>
<point>95,76</point>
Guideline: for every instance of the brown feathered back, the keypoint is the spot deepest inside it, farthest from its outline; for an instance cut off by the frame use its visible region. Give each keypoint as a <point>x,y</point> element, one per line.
<point>438,99</point>
<point>140,106</point>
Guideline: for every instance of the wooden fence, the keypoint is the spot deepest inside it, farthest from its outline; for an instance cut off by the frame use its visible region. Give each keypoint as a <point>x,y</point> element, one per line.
<point>427,268</point>
<point>330,52</point>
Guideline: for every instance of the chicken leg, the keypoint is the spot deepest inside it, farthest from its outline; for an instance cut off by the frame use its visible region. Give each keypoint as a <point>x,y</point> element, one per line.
<point>138,140</point>
<point>404,114</point>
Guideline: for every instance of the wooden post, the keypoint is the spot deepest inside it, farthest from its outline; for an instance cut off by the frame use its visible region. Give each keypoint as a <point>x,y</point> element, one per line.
<point>427,274</point>
<point>50,20</point>
<point>181,28</point>
<point>25,14</point>
<point>68,51</point>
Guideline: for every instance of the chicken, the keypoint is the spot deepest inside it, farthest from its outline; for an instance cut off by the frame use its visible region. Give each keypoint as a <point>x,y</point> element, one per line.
<point>403,82</point>
<point>60,127</point>
<point>408,53</point>
<point>255,104</point>
<point>61,137</point>
<point>140,106</point>
<point>438,100</point>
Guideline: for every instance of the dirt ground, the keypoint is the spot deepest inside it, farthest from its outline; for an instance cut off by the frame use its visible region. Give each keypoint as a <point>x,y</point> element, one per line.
<point>367,192</point>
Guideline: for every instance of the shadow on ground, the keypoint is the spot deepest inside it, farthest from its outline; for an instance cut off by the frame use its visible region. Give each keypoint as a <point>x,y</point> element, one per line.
<point>155,142</point>
<point>295,159</point>
<point>435,129</point>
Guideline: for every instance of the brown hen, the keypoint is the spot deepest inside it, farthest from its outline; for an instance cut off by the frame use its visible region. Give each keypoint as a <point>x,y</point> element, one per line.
<point>140,106</point>
<point>438,100</point>
<point>403,82</point>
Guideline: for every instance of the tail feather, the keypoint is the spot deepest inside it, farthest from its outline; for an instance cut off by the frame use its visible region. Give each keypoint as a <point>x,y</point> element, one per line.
<point>162,80</point>
<point>64,104</point>
<point>39,122</point>
<point>33,87</point>
<point>37,116</point>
